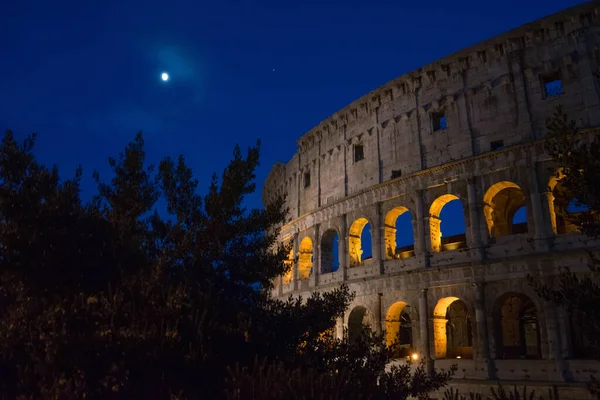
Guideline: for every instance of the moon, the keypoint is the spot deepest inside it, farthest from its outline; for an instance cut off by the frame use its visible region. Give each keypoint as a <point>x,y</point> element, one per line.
<point>164,76</point>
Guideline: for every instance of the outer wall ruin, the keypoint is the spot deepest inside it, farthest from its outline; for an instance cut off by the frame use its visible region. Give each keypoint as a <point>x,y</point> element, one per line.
<point>466,128</point>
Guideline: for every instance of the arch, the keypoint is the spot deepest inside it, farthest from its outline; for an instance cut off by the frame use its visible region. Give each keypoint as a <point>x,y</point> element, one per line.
<point>358,319</point>
<point>398,329</point>
<point>561,205</point>
<point>330,261</point>
<point>305,261</point>
<point>438,241</point>
<point>289,263</point>
<point>394,228</point>
<point>517,327</point>
<point>356,241</point>
<point>452,329</point>
<point>500,204</point>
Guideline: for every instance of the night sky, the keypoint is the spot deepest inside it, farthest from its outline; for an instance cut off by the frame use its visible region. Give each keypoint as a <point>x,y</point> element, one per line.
<point>85,75</point>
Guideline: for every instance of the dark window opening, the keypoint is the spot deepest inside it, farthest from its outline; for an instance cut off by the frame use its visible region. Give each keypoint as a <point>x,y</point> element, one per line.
<point>497,145</point>
<point>396,173</point>
<point>306,179</point>
<point>552,84</point>
<point>359,152</point>
<point>439,121</point>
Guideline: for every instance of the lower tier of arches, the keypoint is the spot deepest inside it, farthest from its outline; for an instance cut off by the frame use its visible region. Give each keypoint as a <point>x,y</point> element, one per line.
<point>492,327</point>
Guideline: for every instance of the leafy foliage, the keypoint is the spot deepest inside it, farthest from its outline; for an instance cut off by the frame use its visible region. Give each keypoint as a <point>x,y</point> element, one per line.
<point>111,300</point>
<point>349,369</point>
<point>577,157</point>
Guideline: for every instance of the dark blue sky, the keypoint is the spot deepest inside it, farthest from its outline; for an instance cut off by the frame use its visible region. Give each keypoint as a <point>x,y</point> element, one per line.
<point>85,74</point>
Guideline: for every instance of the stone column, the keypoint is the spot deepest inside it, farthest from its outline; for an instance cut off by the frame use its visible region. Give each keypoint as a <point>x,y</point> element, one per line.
<point>316,265</point>
<point>376,239</point>
<point>421,250</point>
<point>483,344</point>
<point>475,232</point>
<point>295,263</point>
<point>343,248</point>
<point>424,328</point>
<point>540,218</point>
<point>564,322</point>
<point>377,317</point>
<point>383,240</point>
<point>524,124</point>
<point>555,351</point>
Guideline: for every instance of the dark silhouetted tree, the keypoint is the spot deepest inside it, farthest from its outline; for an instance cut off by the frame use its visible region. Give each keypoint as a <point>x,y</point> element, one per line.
<point>111,300</point>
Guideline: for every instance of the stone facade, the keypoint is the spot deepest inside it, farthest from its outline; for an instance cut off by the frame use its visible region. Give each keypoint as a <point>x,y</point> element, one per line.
<point>469,128</point>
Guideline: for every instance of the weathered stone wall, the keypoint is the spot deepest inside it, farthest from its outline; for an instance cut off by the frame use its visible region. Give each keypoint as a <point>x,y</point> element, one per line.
<point>490,158</point>
<point>489,92</point>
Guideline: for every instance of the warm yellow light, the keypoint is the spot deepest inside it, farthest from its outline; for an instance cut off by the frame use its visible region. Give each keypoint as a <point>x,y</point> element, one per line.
<point>415,356</point>
<point>458,357</point>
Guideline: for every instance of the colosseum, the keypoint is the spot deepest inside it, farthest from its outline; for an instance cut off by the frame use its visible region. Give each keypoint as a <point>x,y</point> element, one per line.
<point>368,189</point>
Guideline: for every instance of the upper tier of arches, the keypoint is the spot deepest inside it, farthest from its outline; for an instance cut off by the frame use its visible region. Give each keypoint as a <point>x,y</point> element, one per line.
<point>436,222</point>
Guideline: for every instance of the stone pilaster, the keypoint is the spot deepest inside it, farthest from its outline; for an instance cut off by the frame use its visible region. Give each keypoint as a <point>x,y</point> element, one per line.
<point>295,264</point>
<point>316,264</point>
<point>540,218</point>
<point>483,344</point>
<point>520,87</point>
<point>421,250</point>
<point>377,238</point>
<point>343,255</point>
<point>424,328</point>
<point>475,239</point>
<point>555,351</point>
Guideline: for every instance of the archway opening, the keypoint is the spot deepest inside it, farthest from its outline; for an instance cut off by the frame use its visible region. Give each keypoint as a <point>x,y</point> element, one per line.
<point>305,259</point>
<point>447,224</point>
<point>289,263</point>
<point>519,221</point>
<point>502,201</point>
<point>563,208</point>
<point>398,234</point>
<point>359,242</point>
<point>358,320</point>
<point>517,327</point>
<point>330,261</point>
<point>452,329</point>
<point>398,330</point>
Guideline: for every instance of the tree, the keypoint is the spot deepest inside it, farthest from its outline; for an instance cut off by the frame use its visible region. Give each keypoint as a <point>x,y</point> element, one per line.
<point>110,299</point>
<point>577,158</point>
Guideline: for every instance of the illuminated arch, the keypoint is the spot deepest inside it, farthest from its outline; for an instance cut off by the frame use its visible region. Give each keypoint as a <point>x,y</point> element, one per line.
<point>305,261</point>
<point>457,241</point>
<point>501,202</point>
<point>398,329</point>
<point>517,327</point>
<point>329,251</point>
<point>452,329</point>
<point>558,204</point>
<point>355,241</point>
<point>390,231</point>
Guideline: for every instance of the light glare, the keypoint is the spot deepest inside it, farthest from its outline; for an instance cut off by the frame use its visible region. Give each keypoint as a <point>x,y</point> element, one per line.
<point>165,76</point>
